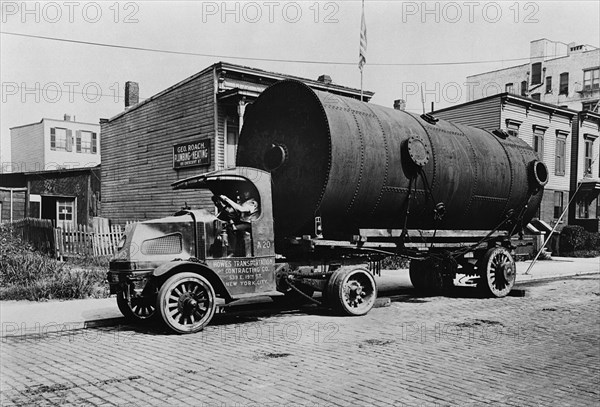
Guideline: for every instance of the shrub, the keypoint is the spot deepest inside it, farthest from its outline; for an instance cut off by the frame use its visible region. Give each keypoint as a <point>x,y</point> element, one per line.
<point>572,238</point>
<point>27,274</point>
<point>593,241</point>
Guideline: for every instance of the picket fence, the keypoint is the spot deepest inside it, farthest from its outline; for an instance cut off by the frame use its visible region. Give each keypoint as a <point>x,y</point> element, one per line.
<point>69,240</point>
<point>81,240</point>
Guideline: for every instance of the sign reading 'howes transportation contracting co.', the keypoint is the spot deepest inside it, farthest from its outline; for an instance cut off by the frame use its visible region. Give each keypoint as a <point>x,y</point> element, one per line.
<point>191,154</point>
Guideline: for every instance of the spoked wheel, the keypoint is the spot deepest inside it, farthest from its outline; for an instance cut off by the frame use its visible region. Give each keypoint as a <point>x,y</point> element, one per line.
<point>352,291</point>
<point>186,302</point>
<point>497,272</point>
<point>138,308</point>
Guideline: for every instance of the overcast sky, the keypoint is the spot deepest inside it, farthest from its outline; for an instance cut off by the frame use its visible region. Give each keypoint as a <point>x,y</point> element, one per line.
<point>326,33</point>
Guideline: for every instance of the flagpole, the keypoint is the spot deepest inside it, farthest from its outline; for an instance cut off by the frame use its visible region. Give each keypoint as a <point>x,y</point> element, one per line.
<point>363,47</point>
<point>361,85</point>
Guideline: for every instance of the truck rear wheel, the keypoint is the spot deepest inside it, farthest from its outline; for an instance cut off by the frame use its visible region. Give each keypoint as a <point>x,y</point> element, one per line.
<point>497,272</point>
<point>137,309</point>
<point>186,302</point>
<point>352,291</point>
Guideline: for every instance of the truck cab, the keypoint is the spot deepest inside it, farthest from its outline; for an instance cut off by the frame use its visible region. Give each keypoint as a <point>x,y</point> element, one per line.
<point>180,267</point>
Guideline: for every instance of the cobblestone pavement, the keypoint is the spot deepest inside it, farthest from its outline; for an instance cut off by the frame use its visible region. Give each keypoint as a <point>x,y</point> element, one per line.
<point>542,349</point>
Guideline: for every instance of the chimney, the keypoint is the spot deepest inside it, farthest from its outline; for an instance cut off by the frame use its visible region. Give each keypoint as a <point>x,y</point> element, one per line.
<point>325,79</point>
<point>132,94</point>
<point>400,104</point>
<point>67,117</point>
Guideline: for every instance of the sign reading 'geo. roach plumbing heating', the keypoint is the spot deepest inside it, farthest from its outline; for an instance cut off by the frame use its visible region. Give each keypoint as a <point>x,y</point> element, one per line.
<point>191,154</point>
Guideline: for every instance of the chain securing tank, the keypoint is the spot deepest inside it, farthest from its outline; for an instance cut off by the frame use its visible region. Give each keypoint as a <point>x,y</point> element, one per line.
<point>359,165</point>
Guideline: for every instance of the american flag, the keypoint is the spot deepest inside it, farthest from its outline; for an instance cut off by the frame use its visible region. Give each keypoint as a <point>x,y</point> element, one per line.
<point>362,54</point>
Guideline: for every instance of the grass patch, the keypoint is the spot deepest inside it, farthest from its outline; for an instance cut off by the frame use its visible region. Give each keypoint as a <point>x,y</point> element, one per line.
<point>27,274</point>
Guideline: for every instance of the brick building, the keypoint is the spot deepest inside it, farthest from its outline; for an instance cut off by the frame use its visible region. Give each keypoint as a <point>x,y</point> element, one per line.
<point>547,128</point>
<point>565,75</point>
<point>190,128</point>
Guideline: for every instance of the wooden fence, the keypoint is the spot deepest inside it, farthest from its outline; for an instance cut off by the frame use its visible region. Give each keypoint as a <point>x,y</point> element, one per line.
<point>84,241</point>
<point>69,240</point>
<point>37,232</point>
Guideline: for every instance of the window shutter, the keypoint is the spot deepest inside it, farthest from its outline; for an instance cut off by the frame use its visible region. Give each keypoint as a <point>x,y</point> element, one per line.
<point>52,138</point>
<point>94,150</point>
<point>78,141</point>
<point>69,141</point>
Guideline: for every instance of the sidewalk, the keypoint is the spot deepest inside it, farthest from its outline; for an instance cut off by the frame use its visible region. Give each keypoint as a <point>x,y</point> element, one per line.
<point>25,317</point>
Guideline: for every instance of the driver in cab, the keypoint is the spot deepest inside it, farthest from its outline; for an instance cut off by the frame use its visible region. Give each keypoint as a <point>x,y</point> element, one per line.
<point>239,214</point>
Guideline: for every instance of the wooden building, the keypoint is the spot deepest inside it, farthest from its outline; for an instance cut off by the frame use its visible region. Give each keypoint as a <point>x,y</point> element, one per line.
<point>67,196</point>
<point>187,129</point>
<point>585,170</point>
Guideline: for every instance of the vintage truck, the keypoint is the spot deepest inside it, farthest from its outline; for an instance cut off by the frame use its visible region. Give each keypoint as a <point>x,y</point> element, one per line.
<point>340,184</point>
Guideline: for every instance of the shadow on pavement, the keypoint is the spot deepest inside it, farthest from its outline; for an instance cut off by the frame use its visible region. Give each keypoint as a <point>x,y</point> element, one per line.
<point>247,313</point>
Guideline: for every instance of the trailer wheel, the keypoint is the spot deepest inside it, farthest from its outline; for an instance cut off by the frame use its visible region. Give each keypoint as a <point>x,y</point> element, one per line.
<point>352,291</point>
<point>139,309</point>
<point>426,277</point>
<point>186,302</point>
<point>497,272</point>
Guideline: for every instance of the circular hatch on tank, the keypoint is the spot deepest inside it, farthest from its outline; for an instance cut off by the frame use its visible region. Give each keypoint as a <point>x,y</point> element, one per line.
<point>418,151</point>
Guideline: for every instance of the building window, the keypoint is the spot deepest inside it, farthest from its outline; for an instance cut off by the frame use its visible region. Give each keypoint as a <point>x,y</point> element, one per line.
<point>558,204</point>
<point>561,150</point>
<point>538,140</point>
<point>564,84</point>
<point>509,88</point>
<point>548,84</point>
<point>61,139</point>
<point>583,209</point>
<point>591,79</point>
<point>65,211</point>
<point>590,106</point>
<point>512,127</point>
<point>524,88</point>
<point>536,96</point>
<point>588,155</point>
<point>536,73</point>
<point>86,142</point>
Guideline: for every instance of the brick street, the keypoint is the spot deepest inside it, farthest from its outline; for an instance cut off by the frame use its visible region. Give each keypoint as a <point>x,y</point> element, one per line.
<point>542,349</point>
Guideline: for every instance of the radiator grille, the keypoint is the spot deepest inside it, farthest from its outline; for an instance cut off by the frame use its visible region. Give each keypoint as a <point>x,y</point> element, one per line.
<point>169,244</point>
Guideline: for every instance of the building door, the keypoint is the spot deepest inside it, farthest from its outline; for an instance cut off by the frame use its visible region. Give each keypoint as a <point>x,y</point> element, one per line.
<point>60,209</point>
<point>231,141</point>
<point>35,206</point>
<point>65,212</point>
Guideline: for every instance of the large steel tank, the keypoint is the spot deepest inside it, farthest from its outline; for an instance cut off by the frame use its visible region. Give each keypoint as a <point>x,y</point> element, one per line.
<point>353,164</point>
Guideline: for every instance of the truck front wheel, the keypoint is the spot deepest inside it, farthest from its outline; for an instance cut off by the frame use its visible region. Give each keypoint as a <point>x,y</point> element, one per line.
<point>352,291</point>
<point>186,302</point>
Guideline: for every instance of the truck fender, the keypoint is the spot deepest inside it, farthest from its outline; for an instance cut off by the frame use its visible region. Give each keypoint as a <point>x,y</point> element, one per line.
<point>164,271</point>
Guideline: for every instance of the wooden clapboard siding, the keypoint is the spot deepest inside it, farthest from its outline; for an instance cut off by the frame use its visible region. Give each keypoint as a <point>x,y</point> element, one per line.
<point>484,114</point>
<point>553,124</point>
<point>137,151</point>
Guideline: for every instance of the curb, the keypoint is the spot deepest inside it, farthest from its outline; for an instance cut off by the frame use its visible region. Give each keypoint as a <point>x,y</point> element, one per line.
<point>556,277</point>
<point>14,330</point>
